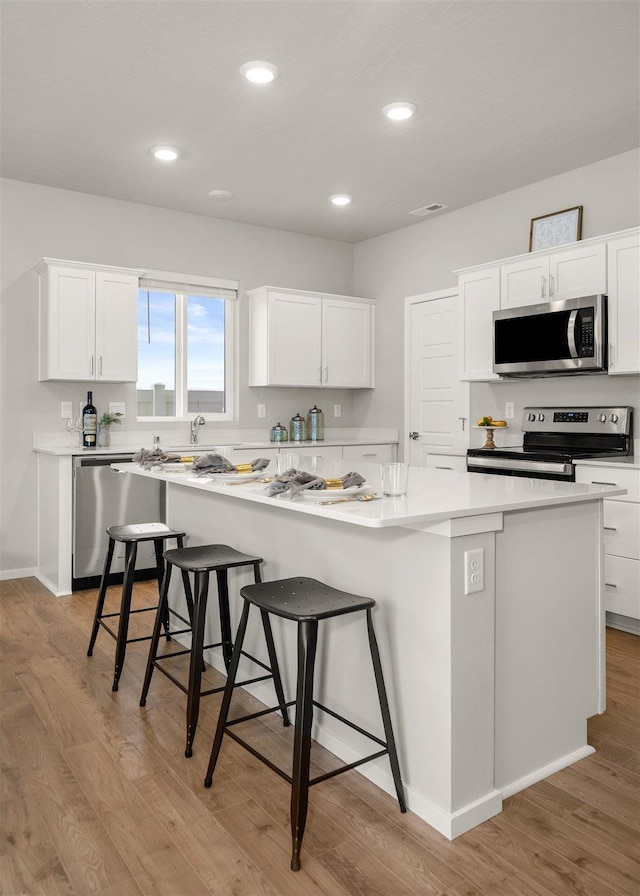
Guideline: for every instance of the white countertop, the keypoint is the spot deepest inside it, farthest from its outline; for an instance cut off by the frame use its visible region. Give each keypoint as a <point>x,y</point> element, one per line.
<point>627,463</point>
<point>184,449</point>
<point>434,495</point>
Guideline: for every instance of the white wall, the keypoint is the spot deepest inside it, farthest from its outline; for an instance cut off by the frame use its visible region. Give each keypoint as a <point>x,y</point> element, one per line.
<point>422,258</point>
<point>43,222</point>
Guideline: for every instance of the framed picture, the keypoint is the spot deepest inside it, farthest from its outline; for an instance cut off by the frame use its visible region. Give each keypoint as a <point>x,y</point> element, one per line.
<point>557,229</point>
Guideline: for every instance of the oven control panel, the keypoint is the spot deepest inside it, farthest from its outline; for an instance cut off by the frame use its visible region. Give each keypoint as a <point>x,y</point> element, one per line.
<point>616,421</point>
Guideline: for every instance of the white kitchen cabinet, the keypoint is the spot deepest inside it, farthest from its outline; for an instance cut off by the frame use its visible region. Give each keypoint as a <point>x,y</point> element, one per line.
<point>621,543</point>
<point>377,454</point>
<point>563,274</point>
<point>624,304</point>
<point>455,462</point>
<point>479,297</point>
<point>299,338</point>
<point>87,322</point>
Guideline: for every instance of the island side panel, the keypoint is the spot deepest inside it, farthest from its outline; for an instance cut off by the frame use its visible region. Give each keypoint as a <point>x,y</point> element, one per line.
<point>438,664</point>
<point>549,640</point>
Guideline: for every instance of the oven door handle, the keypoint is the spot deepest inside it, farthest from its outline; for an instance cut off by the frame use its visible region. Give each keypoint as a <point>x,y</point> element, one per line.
<point>571,333</point>
<point>528,466</point>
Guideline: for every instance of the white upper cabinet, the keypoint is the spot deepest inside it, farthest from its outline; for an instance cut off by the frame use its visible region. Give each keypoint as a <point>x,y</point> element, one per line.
<point>309,339</point>
<point>602,265</point>
<point>87,322</point>
<point>479,297</point>
<point>624,304</point>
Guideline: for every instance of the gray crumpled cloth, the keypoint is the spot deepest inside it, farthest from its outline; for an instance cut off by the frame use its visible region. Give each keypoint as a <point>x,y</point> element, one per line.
<point>151,457</point>
<point>294,481</point>
<point>215,463</point>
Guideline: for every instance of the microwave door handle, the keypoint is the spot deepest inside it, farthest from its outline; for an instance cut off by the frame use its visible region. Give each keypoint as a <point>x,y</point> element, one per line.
<point>571,334</point>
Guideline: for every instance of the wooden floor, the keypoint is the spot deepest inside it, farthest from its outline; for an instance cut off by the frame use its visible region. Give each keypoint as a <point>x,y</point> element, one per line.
<point>97,797</point>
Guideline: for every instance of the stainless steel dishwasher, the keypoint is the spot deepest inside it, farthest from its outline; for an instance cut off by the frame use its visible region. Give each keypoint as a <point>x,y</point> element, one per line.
<point>103,497</point>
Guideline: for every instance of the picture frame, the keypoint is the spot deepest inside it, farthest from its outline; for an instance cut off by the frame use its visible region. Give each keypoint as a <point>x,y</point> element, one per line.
<point>556,229</point>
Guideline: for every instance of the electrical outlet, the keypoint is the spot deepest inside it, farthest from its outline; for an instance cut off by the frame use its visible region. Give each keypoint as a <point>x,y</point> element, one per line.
<point>117,407</point>
<point>66,410</point>
<point>337,410</point>
<point>509,410</point>
<point>474,571</point>
<point>262,411</point>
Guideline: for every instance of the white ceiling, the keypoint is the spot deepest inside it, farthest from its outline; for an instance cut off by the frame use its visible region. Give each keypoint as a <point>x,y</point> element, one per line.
<point>508,93</point>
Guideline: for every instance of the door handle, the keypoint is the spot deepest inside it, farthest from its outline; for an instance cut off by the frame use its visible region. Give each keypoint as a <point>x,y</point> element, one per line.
<point>414,435</point>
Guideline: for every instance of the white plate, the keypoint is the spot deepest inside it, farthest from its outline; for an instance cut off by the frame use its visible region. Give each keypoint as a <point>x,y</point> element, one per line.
<point>329,494</point>
<point>234,477</point>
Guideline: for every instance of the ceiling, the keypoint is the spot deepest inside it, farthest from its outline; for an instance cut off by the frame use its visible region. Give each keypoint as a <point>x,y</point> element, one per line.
<point>508,93</point>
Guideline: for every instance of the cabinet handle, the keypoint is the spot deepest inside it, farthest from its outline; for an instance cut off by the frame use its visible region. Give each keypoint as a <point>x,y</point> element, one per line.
<point>100,366</point>
<point>373,454</point>
<point>551,286</point>
<point>543,291</point>
<point>326,374</point>
<point>610,585</point>
<point>444,468</point>
<point>320,375</point>
<point>598,482</point>
<point>610,528</point>
<point>91,365</point>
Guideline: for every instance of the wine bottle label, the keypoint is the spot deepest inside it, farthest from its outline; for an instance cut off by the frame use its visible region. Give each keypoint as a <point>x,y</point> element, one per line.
<point>90,424</point>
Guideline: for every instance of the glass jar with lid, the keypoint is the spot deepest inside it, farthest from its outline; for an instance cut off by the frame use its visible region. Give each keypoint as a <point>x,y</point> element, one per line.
<point>279,433</point>
<point>298,428</point>
<point>315,424</point>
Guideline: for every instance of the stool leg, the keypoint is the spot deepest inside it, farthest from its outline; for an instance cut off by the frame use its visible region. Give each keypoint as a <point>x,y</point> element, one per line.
<point>307,642</point>
<point>228,694</point>
<point>225,619</point>
<point>155,637</point>
<point>131,551</point>
<point>275,668</point>
<point>195,662</point>
<point>187,584</point>
<point>158,544</point>
<point>386,715</point>
<point>101,596</point>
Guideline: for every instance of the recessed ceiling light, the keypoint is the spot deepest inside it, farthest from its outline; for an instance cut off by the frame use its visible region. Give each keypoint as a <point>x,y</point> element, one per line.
<point>399,111</point>
<point>259,72</point>
<point>165,153</point>
<point>341,199</point>
<point>221,195</point>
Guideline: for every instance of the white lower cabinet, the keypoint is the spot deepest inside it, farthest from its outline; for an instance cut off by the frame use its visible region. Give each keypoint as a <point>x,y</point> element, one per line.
<point>453,462</point>
<point>621,543</point>
<point>381,454</point>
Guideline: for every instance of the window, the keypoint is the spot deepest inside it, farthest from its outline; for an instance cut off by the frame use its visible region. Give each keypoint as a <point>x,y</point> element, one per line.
<point>186,358</point>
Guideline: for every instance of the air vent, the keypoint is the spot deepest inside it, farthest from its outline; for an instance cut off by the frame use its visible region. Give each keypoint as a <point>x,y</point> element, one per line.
<point>428,209</point>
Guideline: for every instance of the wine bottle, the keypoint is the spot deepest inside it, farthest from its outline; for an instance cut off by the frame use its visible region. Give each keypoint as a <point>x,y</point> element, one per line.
<point>89,423</point>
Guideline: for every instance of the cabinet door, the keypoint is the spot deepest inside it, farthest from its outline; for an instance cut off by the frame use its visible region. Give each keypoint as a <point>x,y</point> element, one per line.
<point>346,344</point>
<point>624,307</point>
<point>447,462</point>
<point>479,297</point>
<point>116,327</point>
<point>295,326</point>
<point>68,324</point>
<point>524,282</point>
<point>376,454</point>
<point>581,271</point>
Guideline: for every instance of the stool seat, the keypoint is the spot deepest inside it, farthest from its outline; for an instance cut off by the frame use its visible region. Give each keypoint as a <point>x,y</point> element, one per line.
<point>201,558</point>
<point>304,601</point>
<point>302,598</point>
<point>142,532</point>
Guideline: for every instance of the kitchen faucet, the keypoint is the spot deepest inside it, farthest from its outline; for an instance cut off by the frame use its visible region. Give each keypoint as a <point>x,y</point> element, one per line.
<point>196,423</point>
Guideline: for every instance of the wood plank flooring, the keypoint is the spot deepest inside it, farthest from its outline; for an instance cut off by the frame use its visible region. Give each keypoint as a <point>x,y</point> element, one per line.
<point>96,796</point>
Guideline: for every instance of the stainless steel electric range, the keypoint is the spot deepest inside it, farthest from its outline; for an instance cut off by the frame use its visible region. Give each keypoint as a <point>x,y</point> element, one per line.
<point>554,438</point>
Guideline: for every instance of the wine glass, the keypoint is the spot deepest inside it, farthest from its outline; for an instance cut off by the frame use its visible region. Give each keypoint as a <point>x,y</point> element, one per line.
<point>74,428</point>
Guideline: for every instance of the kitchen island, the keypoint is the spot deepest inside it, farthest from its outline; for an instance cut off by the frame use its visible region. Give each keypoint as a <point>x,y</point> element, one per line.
<point>490,690</point>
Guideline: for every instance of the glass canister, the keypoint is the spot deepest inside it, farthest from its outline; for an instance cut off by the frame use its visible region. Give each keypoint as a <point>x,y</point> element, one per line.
<point>279,433</point>
<point>298,428</point>
<point>315,424</point>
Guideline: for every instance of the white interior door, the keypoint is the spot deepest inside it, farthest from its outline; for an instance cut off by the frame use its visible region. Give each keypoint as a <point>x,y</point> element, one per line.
<point>437,402</point>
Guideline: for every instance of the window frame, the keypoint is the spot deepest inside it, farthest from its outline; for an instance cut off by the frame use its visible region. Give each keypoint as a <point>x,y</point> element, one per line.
<point>182,286</point>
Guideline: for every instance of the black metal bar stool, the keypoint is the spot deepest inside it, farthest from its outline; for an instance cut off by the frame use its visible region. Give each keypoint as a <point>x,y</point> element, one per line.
<point>131,536</point>
<point>202,560</point>
<point>305,601</point>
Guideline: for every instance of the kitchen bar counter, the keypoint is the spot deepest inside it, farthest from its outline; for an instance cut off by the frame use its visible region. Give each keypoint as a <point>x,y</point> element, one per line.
<point>489,690</point>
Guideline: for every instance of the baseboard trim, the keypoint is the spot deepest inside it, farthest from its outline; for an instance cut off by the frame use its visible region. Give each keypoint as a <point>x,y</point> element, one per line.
<point>17,573</point>
<point>544,771</point>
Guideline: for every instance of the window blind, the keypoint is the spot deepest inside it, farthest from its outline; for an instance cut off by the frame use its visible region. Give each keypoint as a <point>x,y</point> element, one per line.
<point>190,284</point>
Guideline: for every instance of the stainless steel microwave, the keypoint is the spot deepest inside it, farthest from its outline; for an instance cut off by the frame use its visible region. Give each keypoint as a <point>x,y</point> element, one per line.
<point>563,337</point>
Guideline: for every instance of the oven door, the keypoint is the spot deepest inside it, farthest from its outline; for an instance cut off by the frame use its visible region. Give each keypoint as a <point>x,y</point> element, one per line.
<point>560,337</point>
<point>529,468</point>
